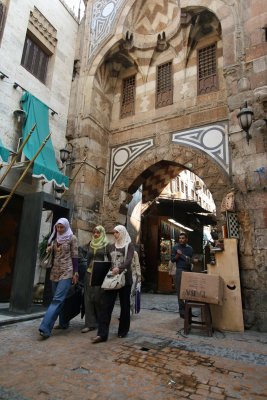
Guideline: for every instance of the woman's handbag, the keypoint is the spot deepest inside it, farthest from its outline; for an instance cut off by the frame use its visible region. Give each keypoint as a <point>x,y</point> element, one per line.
<point>112,282</point>
<point>47,260</point>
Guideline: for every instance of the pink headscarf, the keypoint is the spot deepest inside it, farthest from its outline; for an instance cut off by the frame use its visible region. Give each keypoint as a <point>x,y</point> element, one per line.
<point>67,235</point>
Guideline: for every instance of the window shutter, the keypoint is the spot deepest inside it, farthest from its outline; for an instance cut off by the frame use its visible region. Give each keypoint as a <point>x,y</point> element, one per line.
<point>164,91</point>
<point>34,59</point>
<point>128,97</point>
<point>207,70</point>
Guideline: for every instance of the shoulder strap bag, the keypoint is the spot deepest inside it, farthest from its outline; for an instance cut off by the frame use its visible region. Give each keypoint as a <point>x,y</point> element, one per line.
<point>113,282</point>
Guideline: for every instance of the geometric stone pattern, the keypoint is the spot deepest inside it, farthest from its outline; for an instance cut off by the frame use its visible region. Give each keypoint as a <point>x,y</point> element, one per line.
<point>145,18</point>
<point>211,139</point>
<point>121,156</point>
<point>148,18</point>
<point>153,17</point>
<point>103,15</point>
<point>153,185</point>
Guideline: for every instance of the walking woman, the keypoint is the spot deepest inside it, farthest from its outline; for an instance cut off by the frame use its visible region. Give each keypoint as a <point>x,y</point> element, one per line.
<point>64,272</point>
<point>121,253</point>
<point>98,248</point>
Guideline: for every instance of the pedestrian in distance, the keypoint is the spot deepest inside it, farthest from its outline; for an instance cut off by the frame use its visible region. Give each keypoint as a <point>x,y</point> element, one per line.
<point>136,276</point>
<point>181,255</point>
<point>64,272</point>
<point>97,251</point>
<point>121,254</point>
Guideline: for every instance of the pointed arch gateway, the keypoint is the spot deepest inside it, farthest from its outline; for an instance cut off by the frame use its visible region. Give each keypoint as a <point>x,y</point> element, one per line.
<point>203,150</point>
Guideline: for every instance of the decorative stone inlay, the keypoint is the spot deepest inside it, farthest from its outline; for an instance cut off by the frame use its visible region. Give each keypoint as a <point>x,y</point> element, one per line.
<point>211,139</point>
<point>42,29</point>
<point>147,19</point>
<point>104,14</point>
<point>123,155</point>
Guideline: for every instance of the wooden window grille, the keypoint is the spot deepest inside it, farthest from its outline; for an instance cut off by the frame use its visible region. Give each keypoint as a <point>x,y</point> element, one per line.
<point>164,91</point>
<point>128,97</point>
<point>207,70</point>
<point>34,59</point>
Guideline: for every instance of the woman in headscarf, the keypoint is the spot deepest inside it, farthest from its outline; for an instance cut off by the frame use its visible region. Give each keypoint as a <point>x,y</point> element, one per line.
<point>97,251</point>
<point>64,272</point>
<point>121,253</point>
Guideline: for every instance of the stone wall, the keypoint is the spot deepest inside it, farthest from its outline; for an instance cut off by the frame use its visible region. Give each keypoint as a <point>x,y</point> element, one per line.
<point>236,27</point>
<point>55,21</point>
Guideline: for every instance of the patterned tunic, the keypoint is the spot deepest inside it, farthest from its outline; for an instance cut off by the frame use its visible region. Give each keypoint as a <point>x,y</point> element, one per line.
<point>62,259</point>
<point>117,260</point>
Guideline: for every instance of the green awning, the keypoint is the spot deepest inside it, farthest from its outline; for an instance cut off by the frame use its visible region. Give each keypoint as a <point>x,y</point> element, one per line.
<point>4,153</point>
<point>45,165</point>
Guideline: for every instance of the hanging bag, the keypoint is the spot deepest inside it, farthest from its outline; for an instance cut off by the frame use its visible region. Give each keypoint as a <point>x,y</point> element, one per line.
<point>47,261</point>
<point>112,282</point>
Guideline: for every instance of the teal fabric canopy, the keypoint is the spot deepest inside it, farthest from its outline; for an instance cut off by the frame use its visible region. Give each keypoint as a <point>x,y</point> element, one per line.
<point>4,153</point>
<point>45,164</point>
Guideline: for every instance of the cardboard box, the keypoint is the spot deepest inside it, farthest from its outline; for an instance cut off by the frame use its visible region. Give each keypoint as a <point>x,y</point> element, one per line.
<point>202,287</point>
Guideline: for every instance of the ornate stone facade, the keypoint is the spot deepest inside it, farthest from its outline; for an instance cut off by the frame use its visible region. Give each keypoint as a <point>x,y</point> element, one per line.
<point>121,38</point>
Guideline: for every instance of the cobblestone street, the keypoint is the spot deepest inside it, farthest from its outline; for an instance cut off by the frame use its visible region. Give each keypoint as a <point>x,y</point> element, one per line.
<point>156,361</point>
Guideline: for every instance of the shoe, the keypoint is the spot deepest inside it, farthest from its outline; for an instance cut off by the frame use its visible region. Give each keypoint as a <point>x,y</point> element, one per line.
<point>60,327</point>
<point>86,329</point>
<point>44,335</point>
<point>122,336</point>
<point>97,339</point>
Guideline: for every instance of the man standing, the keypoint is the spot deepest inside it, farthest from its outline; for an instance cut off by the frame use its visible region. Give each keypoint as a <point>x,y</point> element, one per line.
<point>181,254</point>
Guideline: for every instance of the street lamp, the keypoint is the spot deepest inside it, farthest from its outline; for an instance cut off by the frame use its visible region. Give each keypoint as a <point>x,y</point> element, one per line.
<point>245,116</point>
<point>58,193</point>
<point>65,153</point>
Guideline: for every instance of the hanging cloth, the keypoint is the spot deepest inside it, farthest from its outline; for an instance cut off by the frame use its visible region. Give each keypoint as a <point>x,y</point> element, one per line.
<point>4,153</point>
<point>45,165</point>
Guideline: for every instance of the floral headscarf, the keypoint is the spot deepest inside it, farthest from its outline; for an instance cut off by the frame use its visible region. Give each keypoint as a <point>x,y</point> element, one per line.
<point>101,241</point>
<point>66,236</point>
<point>124,237</point>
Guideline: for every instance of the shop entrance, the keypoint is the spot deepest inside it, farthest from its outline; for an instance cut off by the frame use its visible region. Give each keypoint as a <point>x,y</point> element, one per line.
<point>9,227</point>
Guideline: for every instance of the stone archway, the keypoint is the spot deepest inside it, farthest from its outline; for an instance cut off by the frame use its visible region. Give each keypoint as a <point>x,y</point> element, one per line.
<point>155,162</point>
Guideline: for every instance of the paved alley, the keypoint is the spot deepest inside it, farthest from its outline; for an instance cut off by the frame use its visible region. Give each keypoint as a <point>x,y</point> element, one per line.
<point>156,361</point>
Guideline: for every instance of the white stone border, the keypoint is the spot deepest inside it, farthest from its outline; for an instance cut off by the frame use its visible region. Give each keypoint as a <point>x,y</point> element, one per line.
<point>211,139</point>
<point>123,155</point>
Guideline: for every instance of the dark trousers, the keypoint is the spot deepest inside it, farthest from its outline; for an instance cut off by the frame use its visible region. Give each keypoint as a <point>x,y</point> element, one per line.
<point>178,279</point>
<point>108,302</point>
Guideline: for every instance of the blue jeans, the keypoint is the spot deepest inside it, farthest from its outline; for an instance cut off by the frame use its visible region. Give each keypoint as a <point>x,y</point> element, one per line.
<point>59,290</point>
